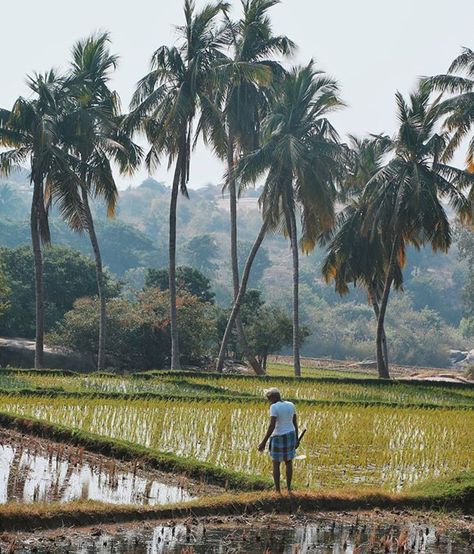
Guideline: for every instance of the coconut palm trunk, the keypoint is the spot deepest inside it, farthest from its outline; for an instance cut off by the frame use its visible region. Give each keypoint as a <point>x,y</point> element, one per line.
<point>376,308</point>
<point>382,367</point>
<point>175,362</point>
<point>234,256</point>
<point>240,296</point>
<point>100,282</point>
<point>296,324</point>
<point>39,285</point>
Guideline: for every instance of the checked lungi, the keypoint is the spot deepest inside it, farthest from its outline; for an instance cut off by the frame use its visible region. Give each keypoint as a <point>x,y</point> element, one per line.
<point>283,447</point>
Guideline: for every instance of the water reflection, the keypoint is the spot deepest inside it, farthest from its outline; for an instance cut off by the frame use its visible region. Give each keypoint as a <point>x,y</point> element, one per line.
<point>29,476</point>
<point>322,537</point>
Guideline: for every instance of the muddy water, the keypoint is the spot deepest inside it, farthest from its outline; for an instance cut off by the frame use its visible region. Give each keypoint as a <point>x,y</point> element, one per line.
<point>34,470</point>
<point>321,537</point>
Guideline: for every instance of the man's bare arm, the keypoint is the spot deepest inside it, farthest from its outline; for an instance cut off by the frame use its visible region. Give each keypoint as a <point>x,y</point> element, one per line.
<point>271,428</point>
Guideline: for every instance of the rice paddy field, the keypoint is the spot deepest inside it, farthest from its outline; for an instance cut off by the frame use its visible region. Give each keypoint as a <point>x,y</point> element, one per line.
<point>360,433</point>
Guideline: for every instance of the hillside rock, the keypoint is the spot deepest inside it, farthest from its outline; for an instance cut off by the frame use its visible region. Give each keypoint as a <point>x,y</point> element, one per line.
<point>18,352</point>
<point>461,358</point>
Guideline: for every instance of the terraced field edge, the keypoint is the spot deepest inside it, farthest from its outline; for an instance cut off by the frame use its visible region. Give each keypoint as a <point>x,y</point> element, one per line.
<point>16,517</point>
<point>125,450</point>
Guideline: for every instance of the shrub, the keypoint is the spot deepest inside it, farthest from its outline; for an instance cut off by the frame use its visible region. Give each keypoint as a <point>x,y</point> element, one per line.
<point>138,334</point>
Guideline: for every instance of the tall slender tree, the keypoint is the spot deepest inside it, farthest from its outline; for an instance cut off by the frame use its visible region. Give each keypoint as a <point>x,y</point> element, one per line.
<point>303,160</point>
<point>166,104</point>
<point>93,129</point>
<point>248,77</point>
<point>405,197</point>
<point>31,132</point>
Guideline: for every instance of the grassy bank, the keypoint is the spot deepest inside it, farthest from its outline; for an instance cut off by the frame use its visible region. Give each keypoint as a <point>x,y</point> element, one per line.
<point>454,495</point>
<point>183,385</point>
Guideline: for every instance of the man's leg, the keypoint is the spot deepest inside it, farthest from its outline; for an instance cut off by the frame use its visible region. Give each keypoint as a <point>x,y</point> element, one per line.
<point>276,476</point>
<point>289,473</point>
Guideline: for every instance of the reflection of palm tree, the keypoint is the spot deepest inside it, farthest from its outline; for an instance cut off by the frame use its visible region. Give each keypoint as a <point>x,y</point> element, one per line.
<point>14,490</point>
<point>404,198</point>
<point>303,159</point>
<point>165,105</point>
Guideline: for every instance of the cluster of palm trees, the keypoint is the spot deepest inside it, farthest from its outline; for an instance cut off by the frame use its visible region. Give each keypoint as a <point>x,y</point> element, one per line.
<point>226,82</point>
<point>69,132</point>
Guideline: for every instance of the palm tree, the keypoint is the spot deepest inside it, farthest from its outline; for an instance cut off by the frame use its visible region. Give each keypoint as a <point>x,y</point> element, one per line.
<point>357,257</point>
<point>366,157</point>
<point>31,132</point>
<point>460,106</point>
<point>247,77</point>
<point>165,106</point>
<point>94,133</point>
<point>304,159</point>
<point>404,197</point>
<point>353,254</point>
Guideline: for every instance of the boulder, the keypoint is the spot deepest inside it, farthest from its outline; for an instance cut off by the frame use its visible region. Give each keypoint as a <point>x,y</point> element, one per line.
<point>19,352</point>
<point>470,357</point>
<point>457,356</point>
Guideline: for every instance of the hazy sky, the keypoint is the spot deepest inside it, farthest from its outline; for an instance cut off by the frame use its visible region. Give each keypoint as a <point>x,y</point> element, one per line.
<point>373,48</point>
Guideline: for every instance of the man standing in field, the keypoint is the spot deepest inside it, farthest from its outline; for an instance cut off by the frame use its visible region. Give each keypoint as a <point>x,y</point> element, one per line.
<point>283,434</point>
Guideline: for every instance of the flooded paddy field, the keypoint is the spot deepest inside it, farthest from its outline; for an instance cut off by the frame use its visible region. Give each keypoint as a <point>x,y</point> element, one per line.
<point>267,534</point>
<point>385,447</point>
<point>38,470</point>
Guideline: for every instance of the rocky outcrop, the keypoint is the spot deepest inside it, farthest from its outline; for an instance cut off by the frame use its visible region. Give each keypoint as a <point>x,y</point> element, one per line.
<point>18,352</point>
<point>461,359</point>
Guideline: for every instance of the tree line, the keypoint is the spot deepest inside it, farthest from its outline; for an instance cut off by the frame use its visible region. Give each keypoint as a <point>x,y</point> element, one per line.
<point>228,82</point>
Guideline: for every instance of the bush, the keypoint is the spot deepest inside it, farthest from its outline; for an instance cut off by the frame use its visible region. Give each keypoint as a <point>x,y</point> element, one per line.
<point>347,330</point>
<point>138,334</point>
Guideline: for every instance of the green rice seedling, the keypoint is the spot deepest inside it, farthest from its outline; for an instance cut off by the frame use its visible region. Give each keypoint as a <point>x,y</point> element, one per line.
<point>366,391</point>
<point>346,445</point>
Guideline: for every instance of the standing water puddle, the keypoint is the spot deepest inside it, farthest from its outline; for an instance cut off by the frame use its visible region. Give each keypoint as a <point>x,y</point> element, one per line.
<point>36,470</point>
<point>321,536</point>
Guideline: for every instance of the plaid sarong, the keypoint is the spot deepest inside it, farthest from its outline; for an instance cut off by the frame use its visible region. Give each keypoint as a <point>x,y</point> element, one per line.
<point>283,447</point>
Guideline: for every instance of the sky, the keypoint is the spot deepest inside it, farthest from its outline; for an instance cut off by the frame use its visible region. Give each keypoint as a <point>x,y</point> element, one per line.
<point>372,47</point>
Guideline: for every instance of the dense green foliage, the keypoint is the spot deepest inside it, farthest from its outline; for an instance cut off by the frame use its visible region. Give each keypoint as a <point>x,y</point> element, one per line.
<point>466,255</point>
<point>4,293</point>
<point>139,329</point>
<point>68,276</point>
<point>124,246</point>
<point>188,280</point>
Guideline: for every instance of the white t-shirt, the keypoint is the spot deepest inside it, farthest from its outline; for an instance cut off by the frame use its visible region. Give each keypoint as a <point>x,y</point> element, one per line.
<point>284,412</point>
